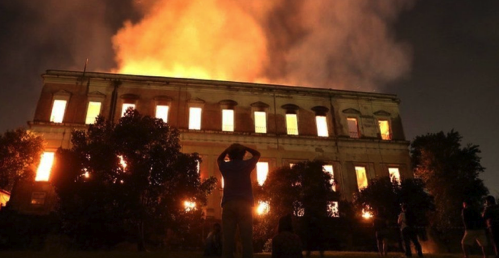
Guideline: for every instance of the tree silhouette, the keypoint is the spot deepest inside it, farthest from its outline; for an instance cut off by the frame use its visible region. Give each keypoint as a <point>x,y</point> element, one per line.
<point>129,178</point>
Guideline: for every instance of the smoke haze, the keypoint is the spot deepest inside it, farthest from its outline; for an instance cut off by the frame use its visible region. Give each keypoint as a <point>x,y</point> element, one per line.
<point>333,44</point>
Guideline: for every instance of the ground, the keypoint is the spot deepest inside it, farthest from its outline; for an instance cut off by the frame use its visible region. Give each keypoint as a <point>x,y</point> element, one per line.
<point>31,254</point>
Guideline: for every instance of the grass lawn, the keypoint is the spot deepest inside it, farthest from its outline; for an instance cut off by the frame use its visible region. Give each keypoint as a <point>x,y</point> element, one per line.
<point>186,254</point>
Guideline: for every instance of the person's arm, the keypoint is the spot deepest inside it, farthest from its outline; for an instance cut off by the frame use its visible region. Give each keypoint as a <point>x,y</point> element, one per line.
<point>254,153</point>
<point>221,158</point>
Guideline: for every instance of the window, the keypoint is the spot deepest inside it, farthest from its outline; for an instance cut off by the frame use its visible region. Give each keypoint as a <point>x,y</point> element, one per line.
<point>228,120</point>
<point>353,128</point>
<point>333,210</point>
<point>361,177</point>
<point>125,107</point>
<point>43,171</point>
<point>38,198</point>
<point>162,112</point>
<point>394,175</point>
<point>195,118</point>
<point>260,122</point>
<point>262,170</point>
<point>93,111</point>
<point>321,126</point>
<point>292,124</point>
<point>58,110</point>
<point>384,129</point>
<point>329,169</point>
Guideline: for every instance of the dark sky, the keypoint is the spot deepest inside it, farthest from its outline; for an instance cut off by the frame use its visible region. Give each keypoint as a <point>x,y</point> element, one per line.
<point>453,84</point>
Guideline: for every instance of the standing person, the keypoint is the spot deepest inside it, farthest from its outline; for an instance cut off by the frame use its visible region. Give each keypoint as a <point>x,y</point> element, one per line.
<point>213,245</point>
<point>315,236</point>
<point>286,244</point>
<point>474,228</point>
<point>237,201</point>
<point>406,221</point>
<point>491,217</point>
<point>380,226</point>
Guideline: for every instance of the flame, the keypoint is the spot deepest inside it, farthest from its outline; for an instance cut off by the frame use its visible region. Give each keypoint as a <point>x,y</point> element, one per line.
<point>262,208</point>
<point>189,206</point>
<point>366,214</point>
<point>340,44</point>
<point>209,39</point>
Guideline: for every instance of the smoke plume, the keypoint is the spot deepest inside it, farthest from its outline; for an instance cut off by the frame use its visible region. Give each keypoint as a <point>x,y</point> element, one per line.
<point>332,44</point>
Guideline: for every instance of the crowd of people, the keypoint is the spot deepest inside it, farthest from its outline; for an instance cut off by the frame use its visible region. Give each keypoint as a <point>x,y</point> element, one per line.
<point>237,206</point>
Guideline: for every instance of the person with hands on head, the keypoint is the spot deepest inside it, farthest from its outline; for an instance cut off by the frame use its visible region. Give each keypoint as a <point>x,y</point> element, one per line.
<point>237,200</point>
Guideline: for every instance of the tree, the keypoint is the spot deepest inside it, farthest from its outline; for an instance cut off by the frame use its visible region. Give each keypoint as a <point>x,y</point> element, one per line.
<point>386,195</point>
<point>304,189</point>
<point>128,178</point>
<point>450,173</point>
<point>20,151</point>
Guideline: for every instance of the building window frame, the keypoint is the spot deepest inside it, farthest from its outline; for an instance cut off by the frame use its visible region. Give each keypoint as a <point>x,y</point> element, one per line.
<point>56,114</point>
<point>128,100</point>
<point>291,118</point>
<point>321,121</point>
<point>361,176</point>
<point>259,109</point>
<point>162,107</point>
<point>195,122</point>
<point>227,106</point>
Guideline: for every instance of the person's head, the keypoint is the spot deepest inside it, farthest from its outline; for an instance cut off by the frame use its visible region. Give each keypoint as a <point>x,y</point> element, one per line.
<point>490,200</point>
<point>285,224</point>
<point>236,151</point>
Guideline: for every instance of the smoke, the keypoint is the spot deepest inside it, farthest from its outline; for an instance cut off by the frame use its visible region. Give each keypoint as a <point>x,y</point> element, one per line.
<point>332,44</point>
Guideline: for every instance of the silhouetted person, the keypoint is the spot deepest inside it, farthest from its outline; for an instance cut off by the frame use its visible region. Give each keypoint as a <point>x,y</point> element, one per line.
<point>491,217</point>
<point>237,201</point>
<point>286,244</point>
<point>315,236</point>
<point>380,225</point>
<point>213,245</point>
<point>474,228</point>
<point>407,221</point>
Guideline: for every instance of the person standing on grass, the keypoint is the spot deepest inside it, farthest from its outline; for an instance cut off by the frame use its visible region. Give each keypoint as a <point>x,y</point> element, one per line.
<point>237,200</point>
<point>474,229</point>
<point>491,217</point>
<point>407,221</point>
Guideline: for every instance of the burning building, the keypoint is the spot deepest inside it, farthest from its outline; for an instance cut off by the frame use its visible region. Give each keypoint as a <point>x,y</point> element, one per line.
<point>358,135</point>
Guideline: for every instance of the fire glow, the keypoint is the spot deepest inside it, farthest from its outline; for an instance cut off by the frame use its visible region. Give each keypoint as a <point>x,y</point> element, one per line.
<point>312,43</point>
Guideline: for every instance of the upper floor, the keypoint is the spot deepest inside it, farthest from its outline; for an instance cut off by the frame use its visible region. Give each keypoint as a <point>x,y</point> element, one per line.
<point>76,98</point>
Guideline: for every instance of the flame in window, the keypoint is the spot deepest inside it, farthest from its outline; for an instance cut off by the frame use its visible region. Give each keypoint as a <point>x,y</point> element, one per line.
<point>262,170</point>
<point>125,107</point>
<point>260,122</point>
<point>384,129</point>
<point>43,171</point>
<point>361,177</point>
<point>93,111</point>
<point>292,124</point>
<point>195,118</point>
<point>189,206</point>
<point>162,112</point>
<point>321,126</point>
<point>58,111</point>
<point>228,120</point>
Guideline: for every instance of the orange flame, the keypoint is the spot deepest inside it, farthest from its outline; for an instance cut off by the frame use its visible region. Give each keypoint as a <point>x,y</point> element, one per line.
<point>206,39</point>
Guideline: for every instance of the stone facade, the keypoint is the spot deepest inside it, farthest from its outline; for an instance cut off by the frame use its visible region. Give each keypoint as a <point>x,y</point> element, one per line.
<point>341,149</point>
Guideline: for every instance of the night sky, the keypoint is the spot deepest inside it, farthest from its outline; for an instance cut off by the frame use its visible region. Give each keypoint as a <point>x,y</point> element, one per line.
<point>453,81</point>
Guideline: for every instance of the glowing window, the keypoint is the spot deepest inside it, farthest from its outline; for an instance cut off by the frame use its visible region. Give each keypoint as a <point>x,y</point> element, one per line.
<point>329,169</point>
<point>58,111</point>
<point>162,112</point>
<point>384,129</point>
<point>321,126</point>
<point>38,198</point>
<point>262,170</point>
<point>394,175</point>
<point>292,124</point>
<point>228,120</point>
<point>198,166</point>
<point>262,208</point>
<point>195,118</point>
<point>43,171</point>
<point>361,177</point>
<point>333,210</point>
<point>93,111</point>
<point>125,107</point>
<point>122,161</point>
<point>353,128</point>
<point>260,122</point>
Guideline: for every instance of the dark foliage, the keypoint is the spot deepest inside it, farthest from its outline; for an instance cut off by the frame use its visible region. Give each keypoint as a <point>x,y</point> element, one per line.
<point>20,150</point>
<point>127,182</point>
